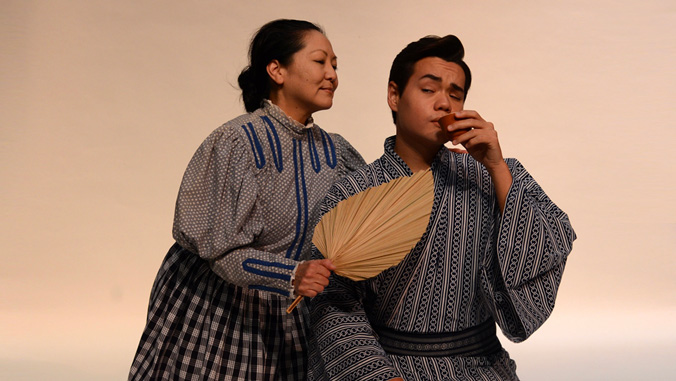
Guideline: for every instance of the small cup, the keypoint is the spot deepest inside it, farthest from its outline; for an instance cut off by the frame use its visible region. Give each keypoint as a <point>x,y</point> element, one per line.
<point>445,121</point>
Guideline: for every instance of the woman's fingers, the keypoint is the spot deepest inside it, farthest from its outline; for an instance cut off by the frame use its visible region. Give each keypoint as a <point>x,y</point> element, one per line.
<point>312,277</point>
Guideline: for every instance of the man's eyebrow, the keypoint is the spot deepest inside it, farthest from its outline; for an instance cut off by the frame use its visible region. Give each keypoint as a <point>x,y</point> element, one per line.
<point>458,88</point>
<point>438,79</point>
<point>432,77</point>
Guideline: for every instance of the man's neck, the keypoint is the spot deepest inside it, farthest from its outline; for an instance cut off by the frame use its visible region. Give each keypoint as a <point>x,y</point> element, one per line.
<point>418,157</point>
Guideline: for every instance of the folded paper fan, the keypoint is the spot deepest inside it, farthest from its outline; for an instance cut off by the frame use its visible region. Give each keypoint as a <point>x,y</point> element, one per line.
<point>373,230</point>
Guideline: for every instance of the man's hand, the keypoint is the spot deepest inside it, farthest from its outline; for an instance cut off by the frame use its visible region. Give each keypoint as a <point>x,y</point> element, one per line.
<point>312,277</point>
<point>457,150</point>
<point>482,143</point>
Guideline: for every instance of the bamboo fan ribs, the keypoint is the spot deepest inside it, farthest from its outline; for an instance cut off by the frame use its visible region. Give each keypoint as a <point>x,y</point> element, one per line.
<point>373,230</point>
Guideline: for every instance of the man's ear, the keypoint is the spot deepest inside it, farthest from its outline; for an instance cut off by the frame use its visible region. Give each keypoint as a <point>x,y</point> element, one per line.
<point>393,96</point>
<point>276,72</point>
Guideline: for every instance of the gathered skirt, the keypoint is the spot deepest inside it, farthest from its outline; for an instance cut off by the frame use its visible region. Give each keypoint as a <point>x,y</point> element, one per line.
<point>200,327</point>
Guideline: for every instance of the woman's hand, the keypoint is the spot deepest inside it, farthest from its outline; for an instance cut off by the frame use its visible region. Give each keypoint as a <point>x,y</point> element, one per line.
<point>312,276</point>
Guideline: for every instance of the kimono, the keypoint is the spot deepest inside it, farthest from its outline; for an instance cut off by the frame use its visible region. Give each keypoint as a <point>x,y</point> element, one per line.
<point>243,222</point>
<point>433,316</point>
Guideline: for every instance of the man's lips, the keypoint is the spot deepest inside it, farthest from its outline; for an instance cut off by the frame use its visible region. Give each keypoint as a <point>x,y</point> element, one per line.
<point>436,121</point>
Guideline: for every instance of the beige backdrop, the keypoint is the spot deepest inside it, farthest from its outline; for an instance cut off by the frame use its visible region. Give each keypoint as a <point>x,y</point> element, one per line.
<point>104,102</point>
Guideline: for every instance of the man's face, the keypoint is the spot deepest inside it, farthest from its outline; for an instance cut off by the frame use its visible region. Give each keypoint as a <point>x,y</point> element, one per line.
<point>435,89</point>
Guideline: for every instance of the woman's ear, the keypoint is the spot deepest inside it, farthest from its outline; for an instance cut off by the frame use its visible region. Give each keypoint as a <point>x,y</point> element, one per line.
<point>393,96</point>
<point>276,72</point>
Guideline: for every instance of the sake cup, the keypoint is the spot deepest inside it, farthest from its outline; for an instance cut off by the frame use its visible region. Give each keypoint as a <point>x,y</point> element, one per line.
<point>445,121</point>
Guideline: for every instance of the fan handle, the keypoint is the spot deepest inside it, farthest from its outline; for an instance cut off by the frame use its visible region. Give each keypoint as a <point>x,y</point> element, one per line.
<point>294,304</point>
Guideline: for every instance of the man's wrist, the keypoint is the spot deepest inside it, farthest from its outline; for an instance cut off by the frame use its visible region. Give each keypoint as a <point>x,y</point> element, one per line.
<point>499,168</point>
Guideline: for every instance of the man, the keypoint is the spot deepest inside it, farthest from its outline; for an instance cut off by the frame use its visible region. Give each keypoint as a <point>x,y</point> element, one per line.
<point>494,250</point>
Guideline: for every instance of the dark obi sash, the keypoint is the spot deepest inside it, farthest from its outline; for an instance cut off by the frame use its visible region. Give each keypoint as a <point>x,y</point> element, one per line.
<point>480,340</point>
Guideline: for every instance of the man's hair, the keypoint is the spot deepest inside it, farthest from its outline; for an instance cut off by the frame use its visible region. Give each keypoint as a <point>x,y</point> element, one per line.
<point>448,48</point>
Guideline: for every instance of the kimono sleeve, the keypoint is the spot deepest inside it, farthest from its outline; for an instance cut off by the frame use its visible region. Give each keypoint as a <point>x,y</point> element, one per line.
<point>525,262</point>
<point>218,215</point>
<point>344,337</point>
<point>345,340</point>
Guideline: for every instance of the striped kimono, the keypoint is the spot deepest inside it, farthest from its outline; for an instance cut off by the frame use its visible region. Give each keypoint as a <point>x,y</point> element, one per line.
<point>243,222</point>
<point>433,316</point>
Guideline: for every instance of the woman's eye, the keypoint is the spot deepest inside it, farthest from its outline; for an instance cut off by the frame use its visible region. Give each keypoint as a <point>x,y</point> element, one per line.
<point>427,90</point>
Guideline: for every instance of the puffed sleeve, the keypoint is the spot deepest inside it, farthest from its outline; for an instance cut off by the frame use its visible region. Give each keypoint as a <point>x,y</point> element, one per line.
<point>524,264</point>
<point>218,215</point>
<point>345,341</point>
<point>349,158</point>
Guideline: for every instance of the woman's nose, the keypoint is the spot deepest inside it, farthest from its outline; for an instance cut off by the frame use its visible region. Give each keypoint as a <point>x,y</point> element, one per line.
<point>331,74</point>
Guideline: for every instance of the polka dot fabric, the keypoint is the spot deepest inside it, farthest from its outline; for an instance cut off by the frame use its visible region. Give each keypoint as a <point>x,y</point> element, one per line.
<point>244,217</point>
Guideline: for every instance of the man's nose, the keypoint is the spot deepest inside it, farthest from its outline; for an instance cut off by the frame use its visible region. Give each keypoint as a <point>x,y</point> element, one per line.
<point>443,102</point>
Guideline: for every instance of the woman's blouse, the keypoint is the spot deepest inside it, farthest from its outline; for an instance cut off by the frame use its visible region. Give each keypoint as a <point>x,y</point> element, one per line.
<point>249,198</point>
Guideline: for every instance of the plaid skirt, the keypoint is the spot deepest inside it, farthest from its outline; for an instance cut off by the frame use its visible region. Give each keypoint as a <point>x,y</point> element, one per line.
<point>200,327</point>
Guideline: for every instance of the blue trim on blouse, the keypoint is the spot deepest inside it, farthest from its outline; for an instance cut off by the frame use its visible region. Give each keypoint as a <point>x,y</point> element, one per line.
<point>270,289</point>
<point>312,148</point>
<point>260,158</point>
<point>277,146</point>
<point>332,160</point>
<point>298,216</point>
<point>305,201</point>
<point>269,274</point>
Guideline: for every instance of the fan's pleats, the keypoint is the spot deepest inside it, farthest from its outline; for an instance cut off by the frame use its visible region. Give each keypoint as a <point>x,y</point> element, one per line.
<point>375,229</point>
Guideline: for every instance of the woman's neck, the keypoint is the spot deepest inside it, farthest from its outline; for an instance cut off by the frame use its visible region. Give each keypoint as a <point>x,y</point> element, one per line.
<point>295,112</point>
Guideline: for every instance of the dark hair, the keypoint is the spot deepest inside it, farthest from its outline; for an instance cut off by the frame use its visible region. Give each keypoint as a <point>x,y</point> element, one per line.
<point>448,48</point>
<point>277,40</point>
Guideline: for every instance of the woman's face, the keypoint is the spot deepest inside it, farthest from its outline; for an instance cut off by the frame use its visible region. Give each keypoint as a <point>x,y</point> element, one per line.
<point>310,79</point>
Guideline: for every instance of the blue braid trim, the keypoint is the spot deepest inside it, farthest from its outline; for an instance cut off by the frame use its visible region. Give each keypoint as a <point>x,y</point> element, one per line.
<point>312,148</point>
<point>258,150</point>
<point>331,161</point>
<point>277,146</point>
<point>298,216</point>
<point>270,289</point>
<point>247,267</point>
<point>305,202</point>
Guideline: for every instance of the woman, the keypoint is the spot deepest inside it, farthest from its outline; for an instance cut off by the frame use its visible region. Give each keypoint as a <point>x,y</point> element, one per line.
<point>243,223</point>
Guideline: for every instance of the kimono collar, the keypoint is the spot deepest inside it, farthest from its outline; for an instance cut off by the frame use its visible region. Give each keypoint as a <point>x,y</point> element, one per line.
<point>279,115</point>
<point>400,164</point>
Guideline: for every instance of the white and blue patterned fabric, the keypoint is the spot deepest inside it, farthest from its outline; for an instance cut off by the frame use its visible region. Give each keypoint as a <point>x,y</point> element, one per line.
<point>244,217</point>
<point>472,264</point>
